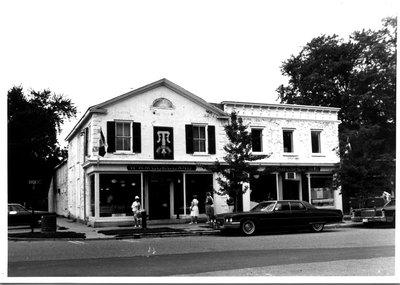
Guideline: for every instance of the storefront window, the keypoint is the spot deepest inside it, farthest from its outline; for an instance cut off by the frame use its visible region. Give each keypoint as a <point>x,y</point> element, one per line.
<point>321,191</point>
<point>92,196</point>
<point>117,193</point>
<point>198,184</point>
<point>262,189</point>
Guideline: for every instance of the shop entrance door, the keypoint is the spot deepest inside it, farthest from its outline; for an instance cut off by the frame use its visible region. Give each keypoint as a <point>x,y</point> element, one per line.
<point>291,190</point>
<point>159,196</point>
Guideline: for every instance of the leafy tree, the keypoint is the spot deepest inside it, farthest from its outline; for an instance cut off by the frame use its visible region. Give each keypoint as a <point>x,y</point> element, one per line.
<point>237,170</point>
<point>34,121</point>
<point>359,77</point>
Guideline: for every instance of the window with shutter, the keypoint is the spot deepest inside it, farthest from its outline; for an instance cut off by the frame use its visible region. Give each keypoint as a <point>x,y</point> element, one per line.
<point>124,136</point>
<point>200,139</point>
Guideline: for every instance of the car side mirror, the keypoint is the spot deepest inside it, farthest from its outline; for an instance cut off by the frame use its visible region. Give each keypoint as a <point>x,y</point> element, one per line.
<point>13,212</point>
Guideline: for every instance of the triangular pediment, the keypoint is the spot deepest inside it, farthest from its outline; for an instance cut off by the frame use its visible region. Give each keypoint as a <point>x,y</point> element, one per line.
<point>102,107</point>
<point>168,84</point>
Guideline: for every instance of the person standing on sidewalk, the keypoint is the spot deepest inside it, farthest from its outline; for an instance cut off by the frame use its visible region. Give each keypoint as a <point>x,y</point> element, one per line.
<point>194,210</point>
<point>209,207</point>
<point>136,211</point>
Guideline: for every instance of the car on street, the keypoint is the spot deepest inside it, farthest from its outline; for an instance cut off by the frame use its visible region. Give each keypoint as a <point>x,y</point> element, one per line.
<point>278,214</point>
<point>375,213</point>
<point>18,215</point>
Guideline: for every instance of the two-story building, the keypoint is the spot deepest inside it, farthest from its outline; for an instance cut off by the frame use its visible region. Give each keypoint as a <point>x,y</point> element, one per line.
<point>153,142</point>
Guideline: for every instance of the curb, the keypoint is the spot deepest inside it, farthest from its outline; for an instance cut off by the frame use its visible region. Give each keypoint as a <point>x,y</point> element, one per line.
<point>160,235</point>
<point>165,234</point>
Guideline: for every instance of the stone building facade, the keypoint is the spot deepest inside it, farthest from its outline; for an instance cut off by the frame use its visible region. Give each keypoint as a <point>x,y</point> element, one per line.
<point>153,141</point>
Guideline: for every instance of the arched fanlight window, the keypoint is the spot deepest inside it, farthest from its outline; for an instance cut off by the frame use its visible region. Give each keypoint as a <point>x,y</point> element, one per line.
<point>163,103</point>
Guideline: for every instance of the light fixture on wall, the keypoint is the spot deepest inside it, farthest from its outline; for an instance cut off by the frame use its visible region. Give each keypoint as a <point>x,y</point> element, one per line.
<point>114,181</point>
<point>133,184</point>
<point>256,176</point>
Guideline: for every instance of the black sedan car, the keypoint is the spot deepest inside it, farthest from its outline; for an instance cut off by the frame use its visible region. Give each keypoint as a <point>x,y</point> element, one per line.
<point>376,214</point>
<point>18,215</point>
<point>278,214</point>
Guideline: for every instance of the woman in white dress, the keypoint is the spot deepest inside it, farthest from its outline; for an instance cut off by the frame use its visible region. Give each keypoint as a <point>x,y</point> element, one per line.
<point>194,210</point>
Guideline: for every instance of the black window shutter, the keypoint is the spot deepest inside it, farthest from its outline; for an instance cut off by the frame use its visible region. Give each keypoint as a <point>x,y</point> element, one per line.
<point>110,136</point>
<point>211,139</point>
<point>136,138</point>
<point>189,138</point>
<point>86,149</point>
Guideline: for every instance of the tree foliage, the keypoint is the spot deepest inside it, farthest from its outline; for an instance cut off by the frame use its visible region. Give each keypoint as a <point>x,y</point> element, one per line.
<point>359,77</point>
<point>236,169</point>
<point>34,120</point>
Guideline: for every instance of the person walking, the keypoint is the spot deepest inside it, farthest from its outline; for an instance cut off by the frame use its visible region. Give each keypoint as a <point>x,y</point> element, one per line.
<point>194,210</point>
<point>209,207</point>
<point>136,211</point>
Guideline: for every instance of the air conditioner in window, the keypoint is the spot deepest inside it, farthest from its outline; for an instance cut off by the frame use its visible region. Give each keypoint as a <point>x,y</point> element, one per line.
<point>290,176</point>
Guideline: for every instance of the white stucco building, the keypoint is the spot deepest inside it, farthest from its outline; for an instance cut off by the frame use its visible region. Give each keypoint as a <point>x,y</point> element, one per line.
<point>158,137</point>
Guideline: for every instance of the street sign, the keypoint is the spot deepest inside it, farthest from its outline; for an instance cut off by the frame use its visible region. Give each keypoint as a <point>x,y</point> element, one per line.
<point>35,182</point>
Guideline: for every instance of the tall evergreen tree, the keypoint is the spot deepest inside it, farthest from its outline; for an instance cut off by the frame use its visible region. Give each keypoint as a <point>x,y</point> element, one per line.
<point>236,170</point>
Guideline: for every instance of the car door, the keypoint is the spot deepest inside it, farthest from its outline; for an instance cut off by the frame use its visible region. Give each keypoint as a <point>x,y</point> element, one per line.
<point>280,217</point>
<point>299,214</point>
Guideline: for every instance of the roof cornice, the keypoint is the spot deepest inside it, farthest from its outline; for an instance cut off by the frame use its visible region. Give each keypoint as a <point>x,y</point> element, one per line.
<point>281,106</point>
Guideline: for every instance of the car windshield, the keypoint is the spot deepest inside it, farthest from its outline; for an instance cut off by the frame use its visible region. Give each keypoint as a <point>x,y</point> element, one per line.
<point>17,208</point>
<point>264,207</point>
<point>391,203</point>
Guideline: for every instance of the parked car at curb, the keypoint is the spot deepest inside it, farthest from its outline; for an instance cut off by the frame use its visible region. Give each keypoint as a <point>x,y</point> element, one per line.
<point>18,215</point>
<point>278,214</point>
<point>375,214</point>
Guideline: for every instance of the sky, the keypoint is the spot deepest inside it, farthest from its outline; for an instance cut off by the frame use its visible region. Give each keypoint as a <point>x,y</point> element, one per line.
<point>92,51</point>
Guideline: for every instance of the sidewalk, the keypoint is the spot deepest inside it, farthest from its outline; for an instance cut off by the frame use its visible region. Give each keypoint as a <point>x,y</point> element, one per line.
<point>65,225</point>
<point>125,232</point>
<point>158,230</point>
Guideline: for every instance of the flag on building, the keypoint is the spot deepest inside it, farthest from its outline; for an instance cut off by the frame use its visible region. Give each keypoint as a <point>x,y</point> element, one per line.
<point>102,148</point>
<point>347,147</point>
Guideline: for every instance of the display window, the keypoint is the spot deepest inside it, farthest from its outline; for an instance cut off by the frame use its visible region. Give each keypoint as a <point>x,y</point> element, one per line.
<point>117,193</point>
<point>322,191</point>
<point>199,185</point>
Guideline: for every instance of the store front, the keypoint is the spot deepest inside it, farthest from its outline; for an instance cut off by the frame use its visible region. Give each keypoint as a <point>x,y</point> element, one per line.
<point>163,194</point>
<point>295,183</point>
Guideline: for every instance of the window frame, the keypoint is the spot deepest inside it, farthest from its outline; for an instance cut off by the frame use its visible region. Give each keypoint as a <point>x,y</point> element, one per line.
<point>291,131</point>
<point>199,140</point>
<point>260,138</point>
<point>119,137</point>
<point>315,131</point>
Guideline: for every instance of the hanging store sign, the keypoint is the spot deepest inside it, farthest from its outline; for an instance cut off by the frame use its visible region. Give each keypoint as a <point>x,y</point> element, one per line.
<point>163,143</point>
<point>161,167</point>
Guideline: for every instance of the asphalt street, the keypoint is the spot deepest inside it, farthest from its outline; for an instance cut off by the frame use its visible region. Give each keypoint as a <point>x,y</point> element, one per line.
<point>267,254</point>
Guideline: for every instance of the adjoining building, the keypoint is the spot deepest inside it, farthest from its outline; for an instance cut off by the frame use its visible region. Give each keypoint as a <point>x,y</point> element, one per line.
<point>153,142</point>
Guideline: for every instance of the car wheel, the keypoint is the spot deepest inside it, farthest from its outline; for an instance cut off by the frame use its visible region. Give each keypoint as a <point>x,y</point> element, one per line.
<point>317,227</point>
<point>248,227</point>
